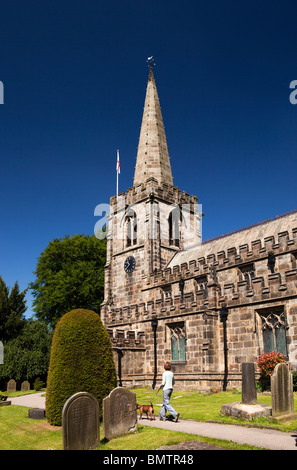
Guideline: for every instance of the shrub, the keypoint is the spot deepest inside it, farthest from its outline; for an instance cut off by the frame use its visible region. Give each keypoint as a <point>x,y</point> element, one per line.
<point>267,362</point>
<point>38,384</point>
<point>81,361</point>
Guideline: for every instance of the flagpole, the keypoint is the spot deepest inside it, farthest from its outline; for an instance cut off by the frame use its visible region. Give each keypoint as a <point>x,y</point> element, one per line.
<point>118,159</point>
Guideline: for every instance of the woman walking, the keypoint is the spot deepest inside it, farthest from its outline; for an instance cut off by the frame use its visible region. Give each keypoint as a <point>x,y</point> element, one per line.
<point>167,385</point>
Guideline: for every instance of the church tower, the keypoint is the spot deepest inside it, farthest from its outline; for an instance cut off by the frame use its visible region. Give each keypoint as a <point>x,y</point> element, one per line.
<point>152,220</point>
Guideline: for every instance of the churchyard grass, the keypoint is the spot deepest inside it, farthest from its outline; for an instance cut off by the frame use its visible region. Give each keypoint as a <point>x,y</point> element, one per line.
<point>206,406</point>
<point>19,393</point>
<point>18,432</point>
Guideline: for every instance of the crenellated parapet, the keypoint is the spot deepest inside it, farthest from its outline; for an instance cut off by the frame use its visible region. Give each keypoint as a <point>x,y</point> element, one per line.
<point>285,242</point>
<point>276,286</point>
<point>215,278</point>
<point>126,339</point>
<point>163,192</point>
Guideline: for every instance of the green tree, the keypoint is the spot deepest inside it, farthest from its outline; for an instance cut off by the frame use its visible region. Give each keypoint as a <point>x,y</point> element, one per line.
<point>69,275</point>
<point>12,309</point>
<point>27,356</point>
<point>81,361</point>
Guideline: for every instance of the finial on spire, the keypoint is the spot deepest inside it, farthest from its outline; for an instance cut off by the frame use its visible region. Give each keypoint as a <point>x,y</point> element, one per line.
<point>151,62</point>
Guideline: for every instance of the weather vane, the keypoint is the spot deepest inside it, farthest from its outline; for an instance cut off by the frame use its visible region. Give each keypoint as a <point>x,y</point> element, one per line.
<point>151,62</point>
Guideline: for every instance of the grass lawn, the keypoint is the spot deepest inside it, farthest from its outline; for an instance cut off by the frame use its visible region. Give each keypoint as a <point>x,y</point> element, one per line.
<point>206,407</point>
<point>18,432</point>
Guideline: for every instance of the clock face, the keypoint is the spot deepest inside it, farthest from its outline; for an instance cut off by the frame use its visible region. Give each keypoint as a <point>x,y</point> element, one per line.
<point>129,264</point>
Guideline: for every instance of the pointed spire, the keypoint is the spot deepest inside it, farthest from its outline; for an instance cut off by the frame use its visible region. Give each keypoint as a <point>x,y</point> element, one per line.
<point>152,155</point>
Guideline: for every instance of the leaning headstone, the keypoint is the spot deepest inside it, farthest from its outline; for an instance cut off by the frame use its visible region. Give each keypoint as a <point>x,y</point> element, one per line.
<point>119,413</point>
<point>282,399</point>
<point>11,386</point>
<point>25,386</point>
<point>80,422</point>
<point>249,391</point>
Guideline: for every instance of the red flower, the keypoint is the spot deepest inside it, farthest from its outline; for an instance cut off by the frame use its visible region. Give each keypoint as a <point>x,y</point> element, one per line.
<point>267,362</point>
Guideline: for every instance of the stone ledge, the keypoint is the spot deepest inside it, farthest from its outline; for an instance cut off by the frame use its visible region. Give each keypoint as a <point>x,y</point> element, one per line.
<point>283,418</point>
<point>245,411</point>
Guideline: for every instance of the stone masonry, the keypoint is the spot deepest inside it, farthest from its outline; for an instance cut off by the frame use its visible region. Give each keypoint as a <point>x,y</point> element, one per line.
<point>184,283</point>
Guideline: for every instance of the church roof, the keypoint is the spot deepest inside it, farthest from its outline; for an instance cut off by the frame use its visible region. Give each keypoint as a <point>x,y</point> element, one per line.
<point>152,155</point>
<point>260,231</point>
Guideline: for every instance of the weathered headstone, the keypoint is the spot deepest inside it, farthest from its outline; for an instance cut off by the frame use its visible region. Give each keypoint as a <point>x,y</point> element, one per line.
<point>282,399</point>
<point>36,413</point>
<point>11,386</point>
<point>248,408</point>
<point>249,391</point>
<point>119,413</point>
<point>25,386</point>
<point>80,422</point>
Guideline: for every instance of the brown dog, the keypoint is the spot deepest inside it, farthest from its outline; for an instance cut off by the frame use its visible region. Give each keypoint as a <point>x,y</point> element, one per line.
<point>147,409</point>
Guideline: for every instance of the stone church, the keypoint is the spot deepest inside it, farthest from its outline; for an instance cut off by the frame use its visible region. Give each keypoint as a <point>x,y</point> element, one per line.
<point>206,306</point>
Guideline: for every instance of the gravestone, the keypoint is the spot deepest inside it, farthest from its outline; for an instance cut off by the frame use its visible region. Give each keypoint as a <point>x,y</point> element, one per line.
<point>248,408</point>
<point>36,413</point>
<point>11,386</point>
<point>25,386</point>
<point>282,399</point>
<point>80,422</point>
<point>119,413</point>
<point>249,391</point>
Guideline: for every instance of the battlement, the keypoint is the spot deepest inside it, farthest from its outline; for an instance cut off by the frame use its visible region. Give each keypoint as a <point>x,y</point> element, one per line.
<point>126,339</point>
<point>275,286</point>
<point>164,192</point>
<point>223,259</point>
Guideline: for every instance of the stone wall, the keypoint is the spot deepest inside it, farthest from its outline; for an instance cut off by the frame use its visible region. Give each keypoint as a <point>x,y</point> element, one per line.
<point>239,277</point>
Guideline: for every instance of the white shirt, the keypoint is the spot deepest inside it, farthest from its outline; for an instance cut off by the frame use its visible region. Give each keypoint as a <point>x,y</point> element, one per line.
<point>167,379</point>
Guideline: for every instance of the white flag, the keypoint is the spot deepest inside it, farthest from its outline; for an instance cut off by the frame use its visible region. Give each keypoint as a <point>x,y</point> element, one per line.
<point>118,164</point>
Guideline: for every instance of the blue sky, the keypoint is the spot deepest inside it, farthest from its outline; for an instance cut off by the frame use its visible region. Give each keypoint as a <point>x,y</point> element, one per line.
<point>75,74</point>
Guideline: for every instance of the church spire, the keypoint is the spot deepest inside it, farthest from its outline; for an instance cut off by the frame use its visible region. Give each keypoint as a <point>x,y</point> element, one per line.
<point>152,155</point>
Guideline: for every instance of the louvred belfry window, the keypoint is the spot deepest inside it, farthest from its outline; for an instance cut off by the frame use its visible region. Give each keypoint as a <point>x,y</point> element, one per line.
<point>131,228</point>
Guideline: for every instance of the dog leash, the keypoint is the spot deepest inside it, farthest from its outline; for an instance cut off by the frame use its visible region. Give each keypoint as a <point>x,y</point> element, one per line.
<point>157,392</point>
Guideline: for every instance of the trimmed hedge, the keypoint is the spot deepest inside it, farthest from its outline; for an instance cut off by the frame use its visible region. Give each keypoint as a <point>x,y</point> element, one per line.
<point>81,361</point>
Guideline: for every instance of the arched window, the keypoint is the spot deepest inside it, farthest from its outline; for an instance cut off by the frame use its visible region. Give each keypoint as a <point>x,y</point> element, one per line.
<point>274,332</point>
<point>178,342</point>
<point>131,228</point>
<point>174,227</point>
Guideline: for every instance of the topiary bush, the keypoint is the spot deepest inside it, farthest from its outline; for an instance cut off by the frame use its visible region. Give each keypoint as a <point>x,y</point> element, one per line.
<point>81,361</point>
